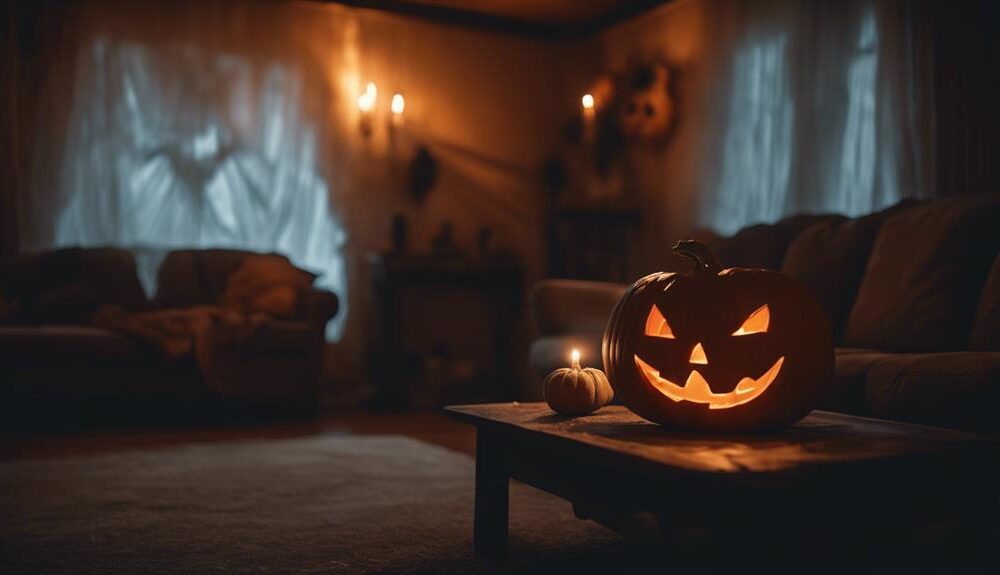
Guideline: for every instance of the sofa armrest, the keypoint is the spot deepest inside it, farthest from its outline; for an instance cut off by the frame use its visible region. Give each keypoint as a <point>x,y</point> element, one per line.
<point>317,306</point>
<point>563,307</point>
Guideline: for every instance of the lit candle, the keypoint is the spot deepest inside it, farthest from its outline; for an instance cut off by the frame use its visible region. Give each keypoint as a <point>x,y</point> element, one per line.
<point>588,117</point>
<point>397,106</point>
<point>366,105</point>
<point>577,391</point>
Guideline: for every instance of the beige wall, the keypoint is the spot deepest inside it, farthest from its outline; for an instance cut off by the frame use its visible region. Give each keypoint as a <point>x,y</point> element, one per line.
<point>494,107</point>
<point>490,108</point>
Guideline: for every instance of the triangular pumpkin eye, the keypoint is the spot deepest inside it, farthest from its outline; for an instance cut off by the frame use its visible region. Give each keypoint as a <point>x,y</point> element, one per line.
<point>656,324</point>
<point>756,323</point>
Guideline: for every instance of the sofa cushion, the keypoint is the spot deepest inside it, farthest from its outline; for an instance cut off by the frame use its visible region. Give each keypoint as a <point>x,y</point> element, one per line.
<point>956,389</point>
<point>110,273</point>
<point>267,284</point>
<point>924,276</point>
<point>764,245</point>
<point>550,353</point>
<point>65,345</point>
<point>107,275</point>
<point>830,256</point>
<point>851,370</point>
<point>986,329</point>
<point>573,306</point>
<point>195,277</point>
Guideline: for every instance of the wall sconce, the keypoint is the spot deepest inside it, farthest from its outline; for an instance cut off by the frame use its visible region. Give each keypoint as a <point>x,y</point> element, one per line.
<point>366,106</point>
<point>588,117</point>
<point>396,107</point>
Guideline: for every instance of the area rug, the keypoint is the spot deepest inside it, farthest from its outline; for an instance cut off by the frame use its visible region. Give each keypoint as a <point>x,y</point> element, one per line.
<point>326,504</point>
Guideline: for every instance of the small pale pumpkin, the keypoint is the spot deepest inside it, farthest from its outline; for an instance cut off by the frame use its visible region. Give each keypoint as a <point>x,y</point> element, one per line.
<point>577,391</point>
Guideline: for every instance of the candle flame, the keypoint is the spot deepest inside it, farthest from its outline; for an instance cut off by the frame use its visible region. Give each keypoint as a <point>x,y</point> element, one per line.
<point>398,104</point>
<point>575,356</point>
<point>588,101</point>
<point>366,103</point>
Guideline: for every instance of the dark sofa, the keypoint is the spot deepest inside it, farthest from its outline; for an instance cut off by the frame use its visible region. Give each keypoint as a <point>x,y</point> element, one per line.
<point>913,293</point>
<point>52,355</point>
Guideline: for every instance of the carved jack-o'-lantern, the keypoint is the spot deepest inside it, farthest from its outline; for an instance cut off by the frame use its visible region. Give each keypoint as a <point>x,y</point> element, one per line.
<point>647,111</point>
<point>718,350</point>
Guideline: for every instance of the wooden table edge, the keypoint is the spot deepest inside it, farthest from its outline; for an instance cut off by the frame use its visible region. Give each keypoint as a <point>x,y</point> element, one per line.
<point>963,440</point>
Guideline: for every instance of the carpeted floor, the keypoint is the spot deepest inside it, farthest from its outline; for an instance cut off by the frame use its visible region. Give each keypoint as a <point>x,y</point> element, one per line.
<point>326,504</point>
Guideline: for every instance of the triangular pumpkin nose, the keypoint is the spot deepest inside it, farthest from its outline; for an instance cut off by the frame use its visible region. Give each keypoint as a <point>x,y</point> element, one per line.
<point>698,355</point>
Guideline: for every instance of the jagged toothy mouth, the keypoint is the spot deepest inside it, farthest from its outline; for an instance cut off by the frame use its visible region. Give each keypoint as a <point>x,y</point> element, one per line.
<point>696,389</point>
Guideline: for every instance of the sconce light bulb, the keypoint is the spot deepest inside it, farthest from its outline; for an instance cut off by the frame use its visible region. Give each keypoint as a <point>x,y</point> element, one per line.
<point>398,104</point>
<point>371,91</point>
<point>588,101</point>
<point>366,102</point>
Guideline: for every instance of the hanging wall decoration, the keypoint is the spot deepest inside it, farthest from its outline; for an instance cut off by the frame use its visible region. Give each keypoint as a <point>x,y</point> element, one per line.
<point>630,109</point>
<point>646,112</point>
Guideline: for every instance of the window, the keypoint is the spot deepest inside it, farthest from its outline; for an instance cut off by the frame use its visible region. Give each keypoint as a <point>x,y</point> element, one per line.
<point>757,149</point>
<point>855,192</point>
<point>178,148</point>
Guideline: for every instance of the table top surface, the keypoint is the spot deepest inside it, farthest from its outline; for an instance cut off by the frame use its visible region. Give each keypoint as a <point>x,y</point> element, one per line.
<point>820,439</point>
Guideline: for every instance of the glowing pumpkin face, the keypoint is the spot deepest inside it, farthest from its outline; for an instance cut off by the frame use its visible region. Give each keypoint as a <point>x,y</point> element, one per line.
<point>695,387</point>
<point>718,350</point>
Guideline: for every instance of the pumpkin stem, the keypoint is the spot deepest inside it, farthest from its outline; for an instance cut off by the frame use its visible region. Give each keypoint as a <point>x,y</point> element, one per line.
<point>698,254</point>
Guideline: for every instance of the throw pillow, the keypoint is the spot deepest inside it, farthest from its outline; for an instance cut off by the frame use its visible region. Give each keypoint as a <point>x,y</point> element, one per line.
<point>924,276</point>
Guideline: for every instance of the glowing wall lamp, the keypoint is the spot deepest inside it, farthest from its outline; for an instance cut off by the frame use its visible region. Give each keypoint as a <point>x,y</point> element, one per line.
<point>366,106</point>
<point>588,117</point>
<point>396,107</point>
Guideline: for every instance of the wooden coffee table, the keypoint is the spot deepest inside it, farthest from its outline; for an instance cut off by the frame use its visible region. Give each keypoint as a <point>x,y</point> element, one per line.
<point>829,471</point>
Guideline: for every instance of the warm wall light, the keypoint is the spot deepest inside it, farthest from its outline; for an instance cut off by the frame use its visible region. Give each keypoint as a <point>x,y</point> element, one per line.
<point>588,117</point>
<point>366,105</point>
<point>396,106</point>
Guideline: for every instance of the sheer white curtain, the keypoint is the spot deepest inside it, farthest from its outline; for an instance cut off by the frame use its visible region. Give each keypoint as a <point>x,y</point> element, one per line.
<point>757,151</point>
<point>814,121</point>
<point>178,145</point>
<point>853,192</point>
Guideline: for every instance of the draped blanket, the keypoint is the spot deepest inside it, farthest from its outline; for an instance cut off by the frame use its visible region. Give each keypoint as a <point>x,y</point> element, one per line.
<point>261,289</point>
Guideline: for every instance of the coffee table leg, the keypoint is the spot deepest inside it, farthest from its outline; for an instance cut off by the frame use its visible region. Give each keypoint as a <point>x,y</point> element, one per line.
<point>492,481</point>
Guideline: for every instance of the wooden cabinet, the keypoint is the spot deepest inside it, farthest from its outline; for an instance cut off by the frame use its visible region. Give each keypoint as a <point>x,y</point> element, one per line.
<point>445,329</point>
<point>592,241</point>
